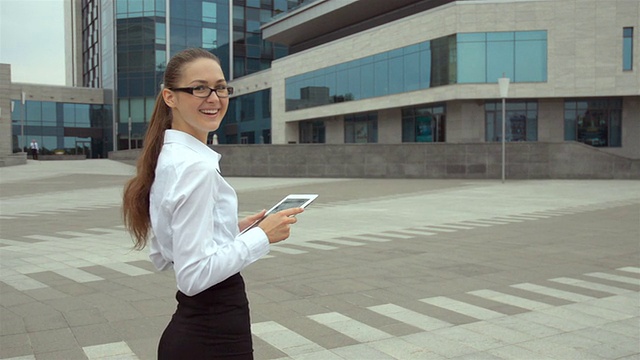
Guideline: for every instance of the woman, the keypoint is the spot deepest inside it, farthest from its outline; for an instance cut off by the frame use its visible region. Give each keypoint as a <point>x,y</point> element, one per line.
<point>180,201</point>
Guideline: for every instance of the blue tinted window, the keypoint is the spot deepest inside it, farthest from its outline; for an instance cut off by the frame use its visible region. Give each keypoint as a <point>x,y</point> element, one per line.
<point>627,49</point>
<point>367,81</point>
<point>500,60</point>
<point>69,114</point>
<point>82,116</point>
<point>49,113</point>
<point>531,61</point>
<point>472,62</point>
<point>381,78</point>
<point>396,75</point>
<point>34,113</point>
<point>412,71</point>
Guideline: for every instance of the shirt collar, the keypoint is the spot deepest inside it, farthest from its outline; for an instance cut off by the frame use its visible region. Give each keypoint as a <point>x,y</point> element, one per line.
<point>181,137</point>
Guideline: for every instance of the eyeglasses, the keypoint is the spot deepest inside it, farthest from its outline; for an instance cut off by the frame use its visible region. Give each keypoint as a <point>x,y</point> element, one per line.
<point>202,91</point>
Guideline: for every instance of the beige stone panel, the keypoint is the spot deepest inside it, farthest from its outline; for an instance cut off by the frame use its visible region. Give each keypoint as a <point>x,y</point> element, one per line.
<point>551,120</point>
<point>390,126</point>
<point>334,130</point>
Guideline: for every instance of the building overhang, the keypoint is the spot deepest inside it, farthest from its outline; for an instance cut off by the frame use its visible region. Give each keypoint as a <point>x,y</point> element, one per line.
<point>321,18</point>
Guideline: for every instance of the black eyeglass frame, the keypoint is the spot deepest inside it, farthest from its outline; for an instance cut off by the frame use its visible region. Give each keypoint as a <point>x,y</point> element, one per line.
<point>189,90</point>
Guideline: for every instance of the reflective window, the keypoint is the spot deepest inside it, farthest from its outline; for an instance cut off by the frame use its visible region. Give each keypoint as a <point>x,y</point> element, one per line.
<point>49,115</point>
<point>34,113</point>
<point>361,128</point>
<point>627,49</point>
<point>595,122</point>
<point>312,132</point>
<point>209,12</point>
<point>521,121</point>
<point>425,123</point>
<point>461,58</point>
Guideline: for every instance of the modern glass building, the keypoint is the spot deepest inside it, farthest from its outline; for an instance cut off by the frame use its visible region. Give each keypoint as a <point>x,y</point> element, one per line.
<point>127,43</point>
<point>422,71</point>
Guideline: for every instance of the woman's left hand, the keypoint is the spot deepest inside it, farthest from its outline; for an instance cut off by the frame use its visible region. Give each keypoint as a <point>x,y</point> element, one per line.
<point>246,222</point>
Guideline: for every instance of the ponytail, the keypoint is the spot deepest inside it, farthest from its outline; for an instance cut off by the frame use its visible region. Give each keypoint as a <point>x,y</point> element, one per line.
<point>135,202</point>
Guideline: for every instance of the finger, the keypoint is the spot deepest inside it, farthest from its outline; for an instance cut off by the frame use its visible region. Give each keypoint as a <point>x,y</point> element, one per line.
<point>291,211</point>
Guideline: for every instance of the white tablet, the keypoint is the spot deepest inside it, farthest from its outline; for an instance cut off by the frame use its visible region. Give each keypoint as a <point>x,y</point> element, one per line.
<point>289,201</point>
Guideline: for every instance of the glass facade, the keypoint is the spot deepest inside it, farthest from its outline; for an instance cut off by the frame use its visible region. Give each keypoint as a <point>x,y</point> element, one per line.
<point>312,132</point>
<point>250,53</point>
<point>361,128</point>
<point>461,58</point>
<point>91,44</point>
<point>595,122</point>
<point>248,119</point>
<point>521,121</point>
<point>627,49</point>
<point>74,128</point>
<point>425,123</point>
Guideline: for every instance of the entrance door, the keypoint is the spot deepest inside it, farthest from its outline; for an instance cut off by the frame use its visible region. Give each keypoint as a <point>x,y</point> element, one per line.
<point>84,147</point>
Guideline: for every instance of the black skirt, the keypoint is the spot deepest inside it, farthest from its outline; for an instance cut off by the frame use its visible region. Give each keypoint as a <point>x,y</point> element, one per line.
<point>213,324</point>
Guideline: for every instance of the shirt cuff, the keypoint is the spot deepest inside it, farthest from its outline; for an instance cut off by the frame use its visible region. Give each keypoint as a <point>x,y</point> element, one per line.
<point>257,242</point>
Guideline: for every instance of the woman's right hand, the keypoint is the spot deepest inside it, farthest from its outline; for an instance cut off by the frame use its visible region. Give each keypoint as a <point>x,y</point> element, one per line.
<point>278,226</point>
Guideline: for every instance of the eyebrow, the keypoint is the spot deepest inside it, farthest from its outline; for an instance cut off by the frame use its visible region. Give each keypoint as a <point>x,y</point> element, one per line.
<point>220,81</point>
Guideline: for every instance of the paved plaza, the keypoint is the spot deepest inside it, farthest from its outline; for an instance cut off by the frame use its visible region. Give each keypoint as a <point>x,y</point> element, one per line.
<point>374,269</point>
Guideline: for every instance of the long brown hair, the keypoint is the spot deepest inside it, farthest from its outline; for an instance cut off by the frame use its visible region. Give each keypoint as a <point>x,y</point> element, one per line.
<point>135,202</point>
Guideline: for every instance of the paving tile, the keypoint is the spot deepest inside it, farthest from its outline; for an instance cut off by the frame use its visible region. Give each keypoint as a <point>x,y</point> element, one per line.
<point>52,340</point>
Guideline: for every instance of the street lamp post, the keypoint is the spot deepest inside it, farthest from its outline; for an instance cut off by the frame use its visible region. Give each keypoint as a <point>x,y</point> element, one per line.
<point>503,82</point>
<point>24,114</point>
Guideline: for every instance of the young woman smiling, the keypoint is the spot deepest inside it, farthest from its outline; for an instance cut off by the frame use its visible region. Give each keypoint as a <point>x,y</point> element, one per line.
<point>180,205</point>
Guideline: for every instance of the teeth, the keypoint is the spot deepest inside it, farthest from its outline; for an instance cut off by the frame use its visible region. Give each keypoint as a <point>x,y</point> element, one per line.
<point>210,112</point>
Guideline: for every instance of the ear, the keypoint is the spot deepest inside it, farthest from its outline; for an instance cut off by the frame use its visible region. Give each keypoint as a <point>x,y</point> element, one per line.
<point>169,97</point>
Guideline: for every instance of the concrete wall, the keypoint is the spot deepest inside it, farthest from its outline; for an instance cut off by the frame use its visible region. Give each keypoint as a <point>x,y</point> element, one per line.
<point>567,160</point>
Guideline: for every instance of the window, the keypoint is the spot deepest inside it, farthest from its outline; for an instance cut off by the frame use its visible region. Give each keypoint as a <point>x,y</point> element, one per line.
<point>423,124</point>
<point>627,49</point>
<point>521,121</point>
<point>595,122</point>
<point>312,132</point>
<point>361,128</point>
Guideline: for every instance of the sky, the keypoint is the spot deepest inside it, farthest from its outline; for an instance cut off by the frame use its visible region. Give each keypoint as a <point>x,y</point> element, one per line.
<point>32,40</point>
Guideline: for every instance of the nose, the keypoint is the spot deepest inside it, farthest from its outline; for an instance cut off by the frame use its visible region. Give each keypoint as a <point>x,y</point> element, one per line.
<point>212,93</point>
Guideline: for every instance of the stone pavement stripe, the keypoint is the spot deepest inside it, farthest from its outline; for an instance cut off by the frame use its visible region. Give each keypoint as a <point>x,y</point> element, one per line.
<point>342,242</point>
<point>23,282</point>
<point>535,215</point>
<point>118,350</point>
<point>561,294</point>
<point>286,250</point>
<point>396,235</point>
<point>524,217</point>
<point>416,231</point>
<point>44,237</point>
<point>510,299</point>
<point>507,219</point>
<point>127,269</point>
<point>75,233</point>
<point>434,228</point>
<point>28,357</point>
<point>482,223</point>
<point>366,238</point>
<point>630,269</point>
<point>77,275</point>
<point>622,279</point>
<point>410,317</point>
<point>283,339</point>
<point>590,285</point>
<point>454,226</point>
<point>8,242</point>
<point>312,245</point>
<point>462,308</point>
<point>350,327</point>
<point>590,309</point>
<point>108,231</point>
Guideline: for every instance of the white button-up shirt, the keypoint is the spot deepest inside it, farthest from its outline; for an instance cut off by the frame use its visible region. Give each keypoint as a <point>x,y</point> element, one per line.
<point>194,217</point>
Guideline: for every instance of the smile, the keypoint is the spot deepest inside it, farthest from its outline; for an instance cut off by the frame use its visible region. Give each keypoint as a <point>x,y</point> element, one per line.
<point>209,112</point>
